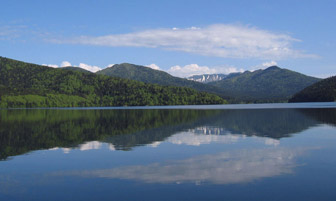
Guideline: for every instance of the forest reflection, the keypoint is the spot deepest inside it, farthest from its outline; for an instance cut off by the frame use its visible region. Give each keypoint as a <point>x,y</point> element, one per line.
<point>22,131</point>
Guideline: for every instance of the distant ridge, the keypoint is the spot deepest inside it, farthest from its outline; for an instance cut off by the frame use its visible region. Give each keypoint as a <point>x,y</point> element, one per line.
<point>149,75</point>
<point>322,91</point>
<point>273,84</point>
<point>76,69</point>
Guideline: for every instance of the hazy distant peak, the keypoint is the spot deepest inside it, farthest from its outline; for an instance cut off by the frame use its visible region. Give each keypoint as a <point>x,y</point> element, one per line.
<point>205,78</point>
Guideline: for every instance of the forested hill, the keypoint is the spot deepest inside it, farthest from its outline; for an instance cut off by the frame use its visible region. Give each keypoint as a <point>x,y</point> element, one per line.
<point>148,75</point>
<point>76,69</point>
<point>30,85</point>
<point>322,91</point>
<point>273,84</point>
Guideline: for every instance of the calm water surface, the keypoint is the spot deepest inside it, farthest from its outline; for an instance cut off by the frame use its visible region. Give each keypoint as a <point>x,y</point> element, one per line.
<point>242,152</point>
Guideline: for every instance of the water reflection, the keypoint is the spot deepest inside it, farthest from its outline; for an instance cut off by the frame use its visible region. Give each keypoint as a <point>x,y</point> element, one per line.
<point>196,139</point>
<point>326,116</point>
<point>192,137</point>
<point>90,146</point>
<point>274,153</point>
<point>222,168</point>
<point>22,131</point>
<point>273,123</point>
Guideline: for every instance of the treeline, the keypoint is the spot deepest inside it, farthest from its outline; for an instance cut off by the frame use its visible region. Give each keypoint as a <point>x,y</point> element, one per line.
<point>29,85</point>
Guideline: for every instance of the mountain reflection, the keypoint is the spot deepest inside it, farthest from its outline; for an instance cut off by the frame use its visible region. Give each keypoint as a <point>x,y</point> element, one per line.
<point>326,116</point>
<point>273,123</point>
<point>222,168</point>
<point>22,131</point>
<point>270,123</point>
<point>195,139</point>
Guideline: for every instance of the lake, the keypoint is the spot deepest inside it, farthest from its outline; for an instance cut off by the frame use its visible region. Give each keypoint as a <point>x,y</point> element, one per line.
<point>222,152</point>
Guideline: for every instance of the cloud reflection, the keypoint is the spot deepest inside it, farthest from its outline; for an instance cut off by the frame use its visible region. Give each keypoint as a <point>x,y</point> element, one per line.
<point>189,138</point>
<point>192,137</point>
<point>90,145</point>
<point>208,135</point>
<point>223,168</point>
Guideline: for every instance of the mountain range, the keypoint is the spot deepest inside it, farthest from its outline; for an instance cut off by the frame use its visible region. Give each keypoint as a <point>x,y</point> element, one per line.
<point>273,84</point>
<point>129,84</point>
<point>30,85</point>
<point>149,75</point>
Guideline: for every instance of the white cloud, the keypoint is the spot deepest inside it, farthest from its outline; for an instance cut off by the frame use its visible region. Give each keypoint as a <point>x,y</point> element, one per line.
<point>264,65</point>
<point>219,40</point>
<point>110,65</point>
<point>154,66</point>
<point>51,65</point>
<point>268,64</point>
<point>81,65</point>
<point>195,69</point>
<point>228,70</point>
<point>191,69</point>
<point>323,76</point>
<point>89,67</point>
<point>65,64</point>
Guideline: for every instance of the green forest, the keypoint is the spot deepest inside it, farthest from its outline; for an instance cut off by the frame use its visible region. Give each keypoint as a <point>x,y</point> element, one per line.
<point>30,85</point>
<point>323,91</point>
<point>148,75</point>
<point>273,84</point>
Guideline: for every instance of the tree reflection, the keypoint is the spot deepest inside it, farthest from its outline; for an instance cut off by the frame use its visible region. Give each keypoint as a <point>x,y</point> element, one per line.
<point>22,131</point>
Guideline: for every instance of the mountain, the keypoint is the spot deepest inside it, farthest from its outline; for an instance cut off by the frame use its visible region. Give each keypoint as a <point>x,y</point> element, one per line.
<point>149,75</point>
<point>30,85</point>
<point>76,69</point>
<point>322,91</point>
<point>273,84</point>
<point>205,78</point>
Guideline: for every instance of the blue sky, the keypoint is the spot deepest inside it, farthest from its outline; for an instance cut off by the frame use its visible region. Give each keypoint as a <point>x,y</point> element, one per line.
<point>180,37</point>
